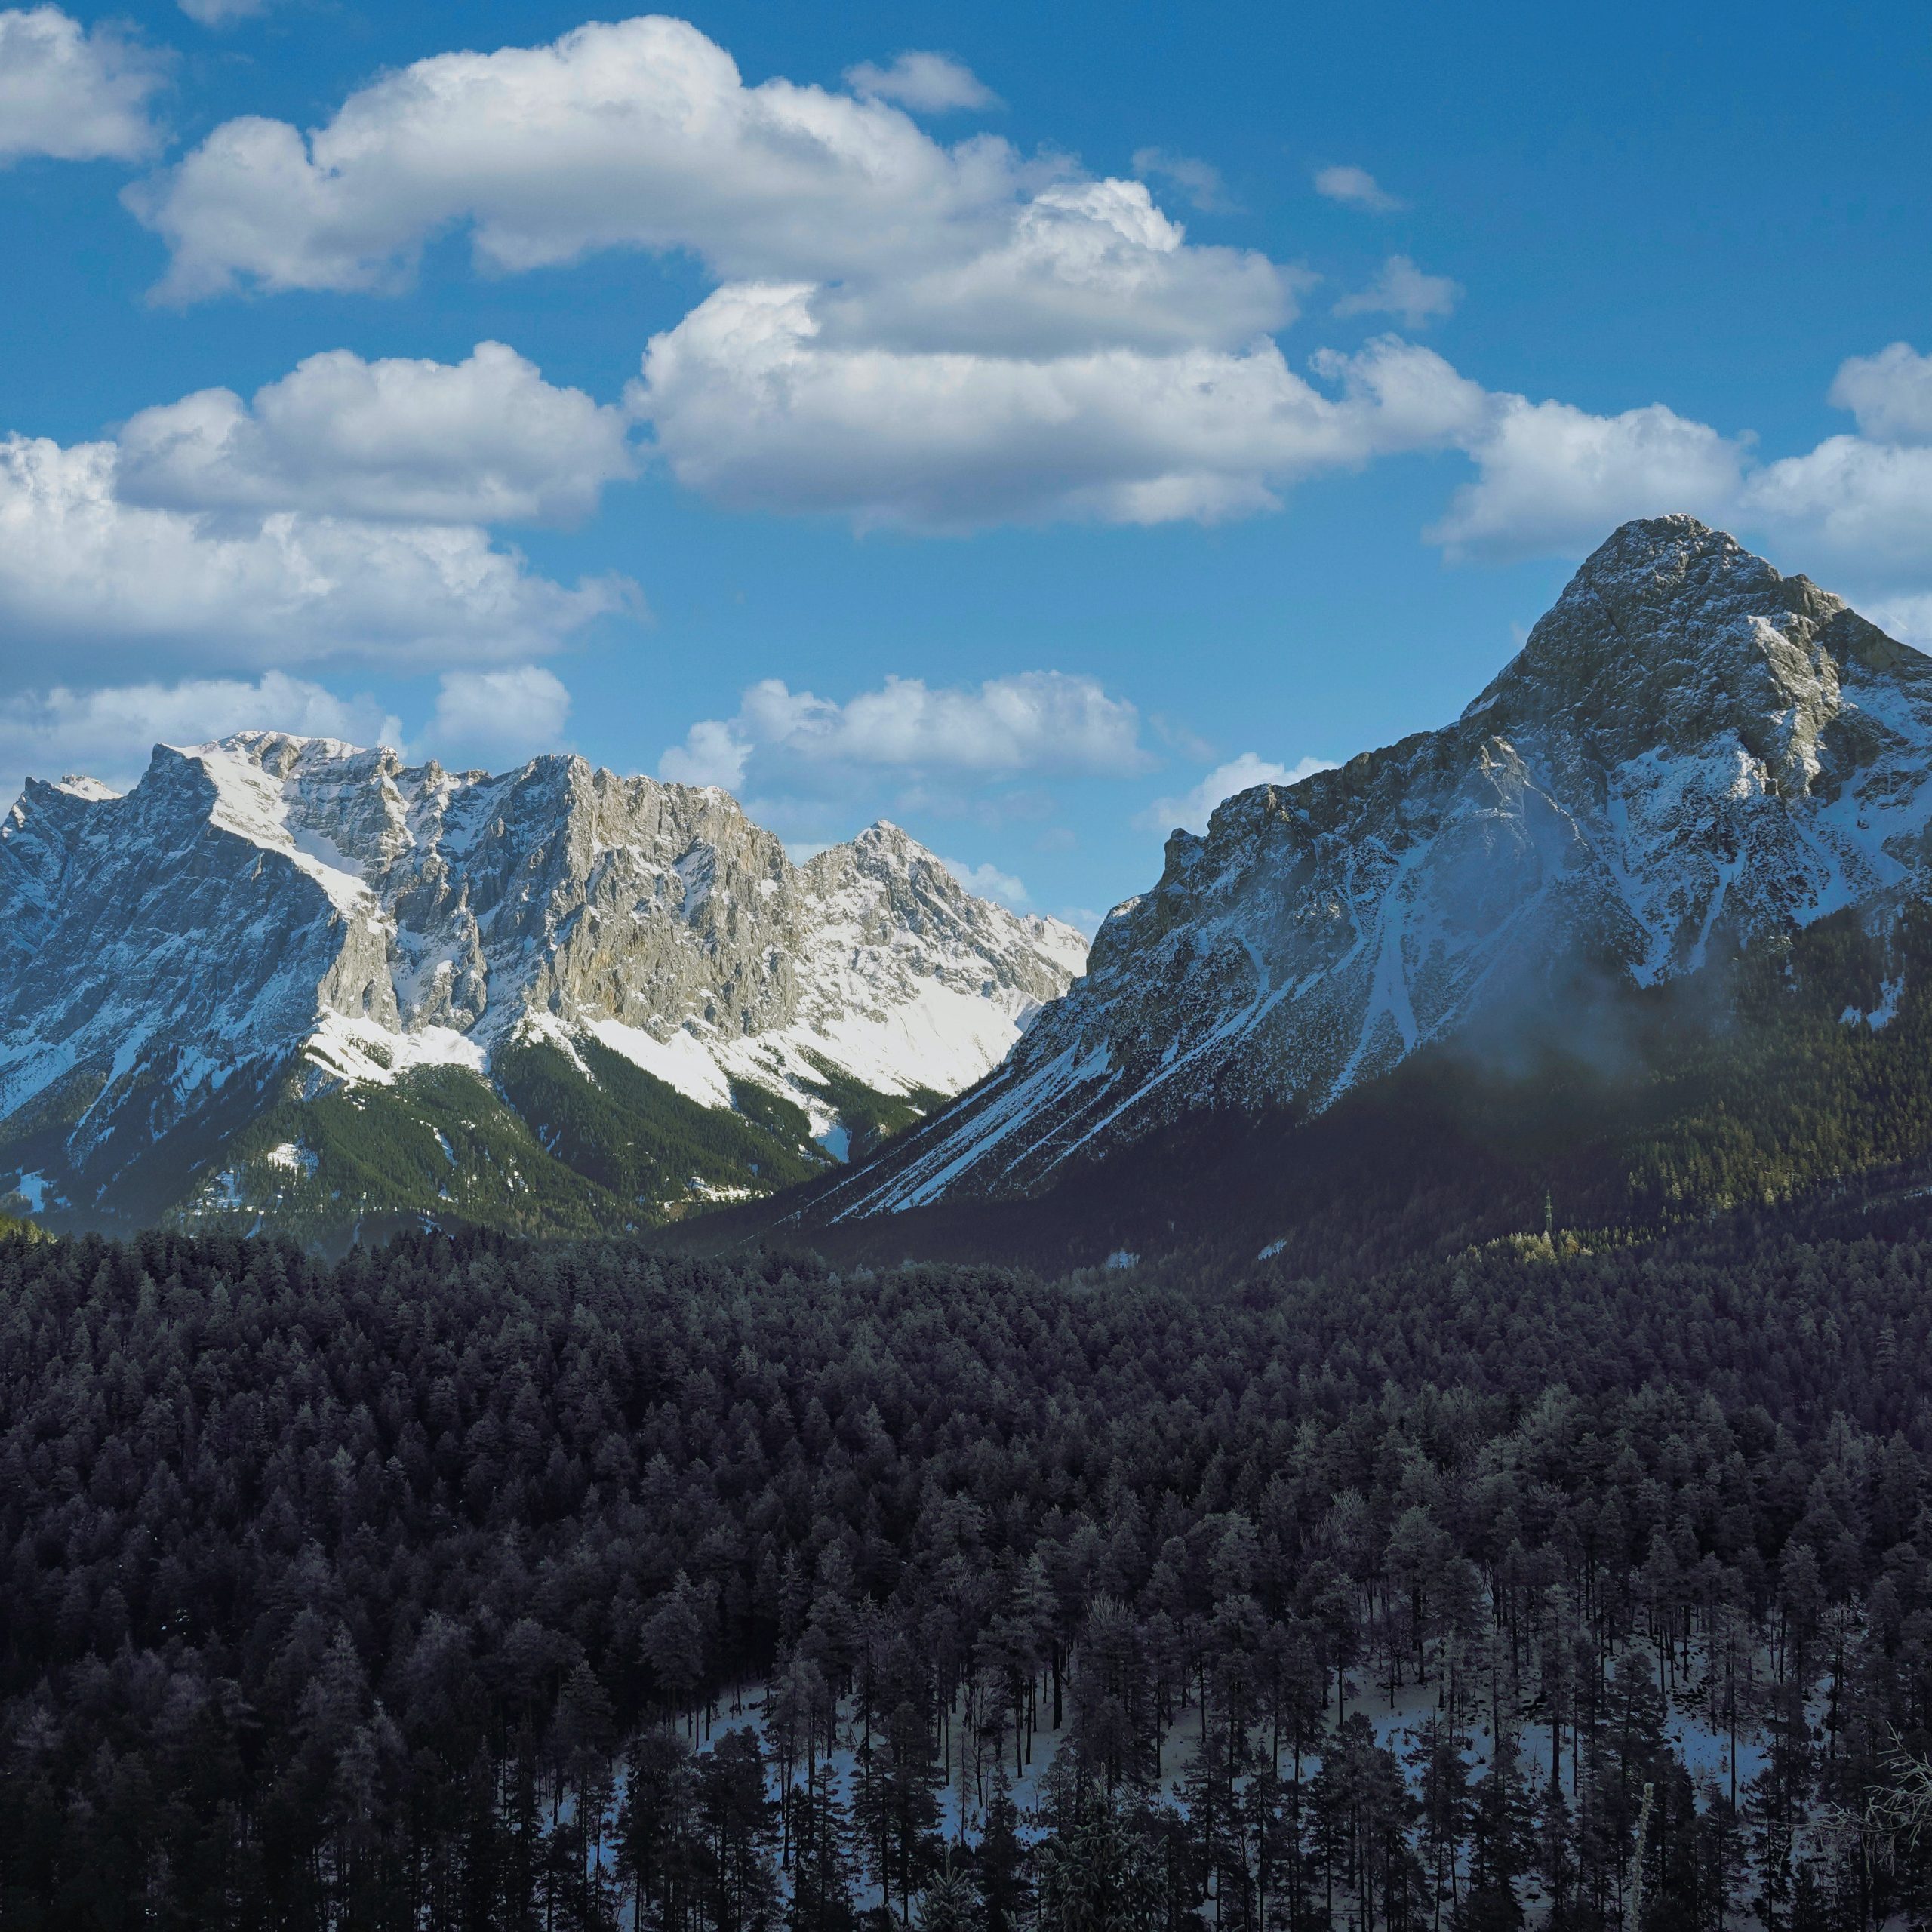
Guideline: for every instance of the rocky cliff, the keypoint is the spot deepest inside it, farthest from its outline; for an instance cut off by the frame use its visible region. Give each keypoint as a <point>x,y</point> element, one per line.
<point>1691,753</point>
<point>270,921</point>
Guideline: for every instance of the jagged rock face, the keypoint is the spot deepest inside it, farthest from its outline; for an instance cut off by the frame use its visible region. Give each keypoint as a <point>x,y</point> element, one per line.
<point>1689,750</point>
<point>273,903</point>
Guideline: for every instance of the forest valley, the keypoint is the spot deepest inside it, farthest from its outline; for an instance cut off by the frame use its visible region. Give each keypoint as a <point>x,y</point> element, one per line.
<point>472,1584</point>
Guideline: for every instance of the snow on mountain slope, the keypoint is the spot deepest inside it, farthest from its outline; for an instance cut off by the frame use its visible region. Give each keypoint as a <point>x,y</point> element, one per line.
<point>272,915</point>
<point>1691,751</point>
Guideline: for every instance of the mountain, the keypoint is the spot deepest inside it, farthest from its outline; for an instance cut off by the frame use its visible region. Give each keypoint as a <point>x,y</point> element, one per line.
<point>290,982</point>
<point>1692,760</point>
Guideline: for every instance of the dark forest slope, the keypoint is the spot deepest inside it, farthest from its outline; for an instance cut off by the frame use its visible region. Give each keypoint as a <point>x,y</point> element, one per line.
<point>1797,1070</point>
<point>325,1585</point>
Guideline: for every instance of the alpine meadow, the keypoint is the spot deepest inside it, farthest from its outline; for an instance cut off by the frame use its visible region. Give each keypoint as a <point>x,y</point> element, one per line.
<point>965,969</point>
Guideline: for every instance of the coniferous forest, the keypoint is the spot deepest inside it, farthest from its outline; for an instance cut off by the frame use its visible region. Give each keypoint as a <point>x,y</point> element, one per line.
<point>467,1584</point>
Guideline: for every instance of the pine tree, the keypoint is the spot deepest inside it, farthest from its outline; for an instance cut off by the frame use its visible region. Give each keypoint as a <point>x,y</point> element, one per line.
<point>1500,1847</point>
<point>657,1823</point>
<point>822,1858</point>
<point>1442,1780</point>
<point>738,1824</point>
<point>947,1904</point>
<point>1000,1865</point>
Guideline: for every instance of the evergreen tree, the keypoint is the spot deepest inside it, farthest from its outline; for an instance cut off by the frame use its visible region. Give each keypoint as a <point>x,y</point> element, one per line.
<point>1501,1843</point>
<point>1000,1865</point>
<point>822,1859</point>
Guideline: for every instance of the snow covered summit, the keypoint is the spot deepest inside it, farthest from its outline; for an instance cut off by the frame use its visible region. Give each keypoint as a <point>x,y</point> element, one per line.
<point>1690,752</point>
<point>271,923</point>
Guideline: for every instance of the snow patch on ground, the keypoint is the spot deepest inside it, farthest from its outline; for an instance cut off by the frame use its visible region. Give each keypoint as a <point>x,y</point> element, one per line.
<point>363,1050</point>
<point>706,1190</point>
<point>250,803</point>
<point>684,1061</point>
<point>1881,1016</point>
<point>1010,1105</point>
<point>538,1028</point>
<point>939,1039</point>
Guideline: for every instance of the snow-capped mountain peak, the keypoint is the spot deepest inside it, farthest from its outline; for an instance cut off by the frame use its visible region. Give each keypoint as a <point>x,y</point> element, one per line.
<point>271,908</point>
<point>1690,751</point>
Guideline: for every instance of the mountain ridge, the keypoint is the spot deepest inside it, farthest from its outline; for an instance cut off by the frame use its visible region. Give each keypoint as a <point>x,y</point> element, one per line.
<point>267,920</point>
<point>306,985</point>
<point>1691,754</point>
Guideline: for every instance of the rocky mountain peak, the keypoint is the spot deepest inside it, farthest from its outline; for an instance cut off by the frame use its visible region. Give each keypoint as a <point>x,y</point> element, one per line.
<point>1671,630</point>
<point>270,906</point>
<point>884,839</point>
<point>1691,751</point>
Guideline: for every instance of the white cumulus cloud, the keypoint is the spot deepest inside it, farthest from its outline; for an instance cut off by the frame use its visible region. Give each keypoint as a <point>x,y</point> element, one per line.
<point>1868,502</point>
<point>82,570</point>
<point>1553,478</point>
<point>108,734</point>
<point>1889,394</point>
<point>754,405</point>
<point>1403,290</point>
<point>1081,265</point>
<point>1037,721</point>
<point>74,94</point>
<point>639,133</point>
<point>498,717</point>
<point>483,440</point>
<point>1355,188</point>
<point>1865,500</point>
<point>642,133</point>
<point>1550,476</point>
<point>935,337</point>
<point>1192,809</point>
<point>988,881</point>
<point>927,83</point>
<point>714,752</point>
<point>812,767</point>
<point>903,332</point>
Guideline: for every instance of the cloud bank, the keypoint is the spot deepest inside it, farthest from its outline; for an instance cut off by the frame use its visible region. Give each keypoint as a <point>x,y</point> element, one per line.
<point>1039,721</point>
<point>638,134</point>
<point>1551,477</point>
<point>483,440</point>
<point>903,331</point>
<point>342,515</point>
<point>1354,188</point>
<point>927,83</point>
<point>70,93</point>
<point>753,407</point>
<point>1192,809</point>
<point>82,568</point>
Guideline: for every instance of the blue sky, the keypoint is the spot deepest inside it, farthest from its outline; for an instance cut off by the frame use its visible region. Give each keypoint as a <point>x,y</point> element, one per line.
<point>1023,423</point>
